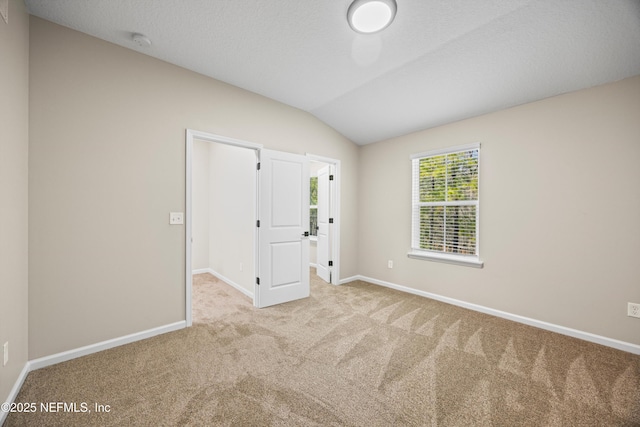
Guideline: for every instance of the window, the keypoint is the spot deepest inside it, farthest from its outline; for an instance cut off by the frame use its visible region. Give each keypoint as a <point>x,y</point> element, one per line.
<point>313,205</point>
<point>445,205</point>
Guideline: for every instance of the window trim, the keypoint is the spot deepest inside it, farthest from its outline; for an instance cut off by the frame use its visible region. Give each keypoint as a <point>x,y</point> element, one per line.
<point>465,260</point>
<point>313,237</point>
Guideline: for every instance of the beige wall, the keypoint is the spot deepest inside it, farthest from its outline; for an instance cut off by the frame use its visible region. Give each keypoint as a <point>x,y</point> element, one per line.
<point>107,165</point>
<point>200,205</point>
<point>559,219</point>
<point>14,146</point>
<point>313,251</point>
<point>232,210</point>
<point>223,205</point>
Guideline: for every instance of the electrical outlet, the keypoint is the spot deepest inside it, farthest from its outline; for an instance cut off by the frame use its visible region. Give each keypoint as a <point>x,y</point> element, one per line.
<point>5,350</point>
<point>633,309</point>
<point>390,263</point>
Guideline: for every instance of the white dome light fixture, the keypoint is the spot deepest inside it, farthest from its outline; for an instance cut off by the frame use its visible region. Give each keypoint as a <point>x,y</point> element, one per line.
<point>371,16</point>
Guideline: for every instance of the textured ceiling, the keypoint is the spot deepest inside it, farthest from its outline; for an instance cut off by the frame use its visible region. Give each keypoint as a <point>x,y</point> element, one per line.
<point>440,60</point>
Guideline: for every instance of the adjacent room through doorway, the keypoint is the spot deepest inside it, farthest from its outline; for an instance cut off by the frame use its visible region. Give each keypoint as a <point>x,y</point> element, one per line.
<point>225,185</point>
<point>223,214</point>
<point>321,221</point>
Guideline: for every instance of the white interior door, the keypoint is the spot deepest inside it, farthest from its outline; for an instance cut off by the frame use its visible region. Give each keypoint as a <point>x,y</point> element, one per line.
<point>324,244</point>
<point>283,212</point>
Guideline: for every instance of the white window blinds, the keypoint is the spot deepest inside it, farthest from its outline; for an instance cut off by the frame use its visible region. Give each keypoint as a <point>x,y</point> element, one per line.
<point>445,203</point>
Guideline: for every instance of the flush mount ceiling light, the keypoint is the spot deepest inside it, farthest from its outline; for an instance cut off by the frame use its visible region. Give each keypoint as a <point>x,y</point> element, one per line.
<point>371,16</point>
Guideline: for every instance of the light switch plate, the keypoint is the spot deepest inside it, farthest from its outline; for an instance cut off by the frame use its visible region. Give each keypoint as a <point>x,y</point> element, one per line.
<point>176,218</point>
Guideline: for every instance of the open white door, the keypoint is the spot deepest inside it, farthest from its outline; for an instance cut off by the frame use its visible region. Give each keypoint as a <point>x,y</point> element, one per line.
<point>324,244</point>
<point>283,233</point>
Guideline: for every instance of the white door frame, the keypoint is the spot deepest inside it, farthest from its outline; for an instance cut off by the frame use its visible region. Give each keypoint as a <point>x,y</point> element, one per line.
<point>208,137</point>
<point>334,195</point>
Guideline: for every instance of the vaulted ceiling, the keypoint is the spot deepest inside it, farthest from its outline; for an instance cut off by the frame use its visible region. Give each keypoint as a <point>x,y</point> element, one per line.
<point>440,60</point>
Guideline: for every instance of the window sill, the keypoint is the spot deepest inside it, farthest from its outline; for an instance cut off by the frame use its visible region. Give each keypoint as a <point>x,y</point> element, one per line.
<point>468,261</point>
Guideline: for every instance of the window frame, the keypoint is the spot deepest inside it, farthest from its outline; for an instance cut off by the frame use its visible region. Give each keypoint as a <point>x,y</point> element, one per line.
<point>313,236</point>
<point>415,251</point>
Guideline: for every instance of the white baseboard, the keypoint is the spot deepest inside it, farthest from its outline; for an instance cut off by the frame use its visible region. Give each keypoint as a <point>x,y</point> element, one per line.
<point>313,265</point>
<point>226,280</point>
<point>586,336</point>
<point>104,345</point>
<point>43,362</point>
<point>15,390</point>
<point>350,279</point>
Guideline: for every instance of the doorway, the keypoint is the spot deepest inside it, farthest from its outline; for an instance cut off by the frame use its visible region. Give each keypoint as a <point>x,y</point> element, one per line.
<point>254,269</point>
<point>219,225</point>
<point>325,217</point>
<point>223,206</point>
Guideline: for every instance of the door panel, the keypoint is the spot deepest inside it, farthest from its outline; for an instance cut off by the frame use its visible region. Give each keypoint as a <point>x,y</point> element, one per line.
<point>323,245</point>
<point>281,255</point>
<point>286,192</point>
<point>283,266</point>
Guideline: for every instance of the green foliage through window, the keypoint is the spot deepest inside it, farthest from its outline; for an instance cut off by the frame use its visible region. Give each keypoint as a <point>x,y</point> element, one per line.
<point>313,214</point>
<point>314,191</point>
<point>445,202</point>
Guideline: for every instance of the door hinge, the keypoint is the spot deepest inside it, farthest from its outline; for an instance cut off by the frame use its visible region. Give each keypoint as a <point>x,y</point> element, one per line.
<point>258,223</point>
<point>258,165</point>
<point>330,263</point>
<point>257,280</point>
<point>330,177</point>
<point>330,220</point>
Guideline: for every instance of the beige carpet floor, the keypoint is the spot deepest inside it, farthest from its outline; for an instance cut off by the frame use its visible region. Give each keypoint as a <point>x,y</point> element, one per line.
<point>353,355</point>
